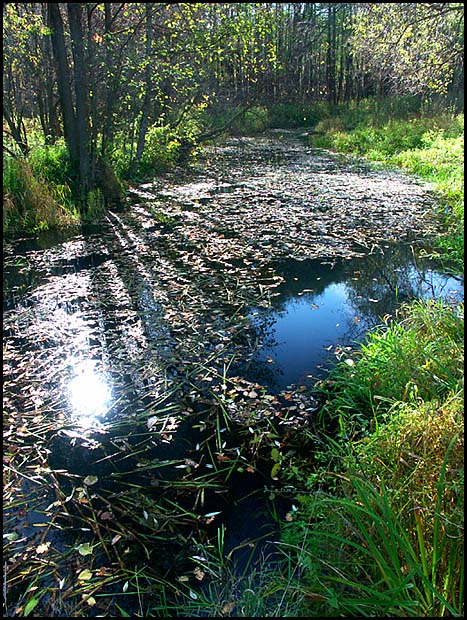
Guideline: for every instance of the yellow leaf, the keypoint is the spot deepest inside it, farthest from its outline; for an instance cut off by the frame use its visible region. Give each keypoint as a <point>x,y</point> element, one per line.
<point>85,575</point>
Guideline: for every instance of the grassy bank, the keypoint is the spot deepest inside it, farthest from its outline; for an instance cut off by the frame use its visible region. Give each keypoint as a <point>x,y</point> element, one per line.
<point>380,532</point>
<point>377,528</point>
<point>430,145</point>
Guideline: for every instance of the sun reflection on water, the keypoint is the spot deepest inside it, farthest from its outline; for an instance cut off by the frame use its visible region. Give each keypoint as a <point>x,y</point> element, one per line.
<point>89,394</point>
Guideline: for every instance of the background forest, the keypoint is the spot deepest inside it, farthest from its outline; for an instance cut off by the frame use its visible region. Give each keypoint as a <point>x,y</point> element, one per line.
<point>96,93</point>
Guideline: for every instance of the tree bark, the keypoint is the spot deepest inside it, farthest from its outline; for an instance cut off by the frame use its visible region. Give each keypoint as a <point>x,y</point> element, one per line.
<point>81,97</point>
<point>63,80</point>
<point>144,124</point>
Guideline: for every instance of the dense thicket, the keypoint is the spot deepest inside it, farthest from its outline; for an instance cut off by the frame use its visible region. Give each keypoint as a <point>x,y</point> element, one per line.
<point>103,75</point>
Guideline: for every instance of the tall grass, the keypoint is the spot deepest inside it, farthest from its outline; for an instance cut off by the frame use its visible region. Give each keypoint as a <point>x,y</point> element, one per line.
<point>363,559</point>
<point>387,538</point>
<point>30,202</point>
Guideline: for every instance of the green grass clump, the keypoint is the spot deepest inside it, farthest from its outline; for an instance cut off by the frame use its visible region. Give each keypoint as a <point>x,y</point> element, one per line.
<point>418,356</point>
<point>382,535</point>
<point>30,202</point>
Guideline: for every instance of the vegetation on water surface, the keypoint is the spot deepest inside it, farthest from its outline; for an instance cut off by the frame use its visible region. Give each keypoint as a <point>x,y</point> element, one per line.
<point>431,145</point>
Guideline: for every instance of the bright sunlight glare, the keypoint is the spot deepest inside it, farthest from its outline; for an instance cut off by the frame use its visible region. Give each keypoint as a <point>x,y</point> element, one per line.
<point>89,394</point>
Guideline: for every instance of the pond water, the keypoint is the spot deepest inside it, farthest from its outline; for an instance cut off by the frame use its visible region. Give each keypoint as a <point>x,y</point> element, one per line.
<point>326,308</point>
<point>151,351</point>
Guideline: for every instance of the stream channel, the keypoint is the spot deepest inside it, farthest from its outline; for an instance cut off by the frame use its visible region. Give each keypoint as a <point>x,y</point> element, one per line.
<point>156,360</point>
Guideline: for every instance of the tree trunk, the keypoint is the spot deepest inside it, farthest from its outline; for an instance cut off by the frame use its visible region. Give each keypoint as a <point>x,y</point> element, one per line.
<point>63,80</point>
<point>144,124</point>
<point>81,98</point>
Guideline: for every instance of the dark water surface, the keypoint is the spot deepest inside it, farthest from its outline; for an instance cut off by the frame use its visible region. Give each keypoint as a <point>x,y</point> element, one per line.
<point>323,308</point>
<point>151,344</point>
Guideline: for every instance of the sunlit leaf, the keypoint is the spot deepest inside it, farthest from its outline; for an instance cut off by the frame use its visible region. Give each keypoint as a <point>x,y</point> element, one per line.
<point>30,605</point>
<point>90,600</point>
<point>90,480</point>
<point>85,575</point>
<point>85,549</point>
<point>275,455</point>
<point>43,548</point>
<point>275,470</point>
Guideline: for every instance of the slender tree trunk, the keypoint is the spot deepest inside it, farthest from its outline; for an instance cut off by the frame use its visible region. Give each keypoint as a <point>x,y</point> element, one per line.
<point>144,124</point>
<point>112,82</point>
<point>63,80</point>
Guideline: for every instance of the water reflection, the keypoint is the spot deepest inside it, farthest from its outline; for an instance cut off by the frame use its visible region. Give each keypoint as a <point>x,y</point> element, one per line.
<point>89,394</point>
<point>323,307</point>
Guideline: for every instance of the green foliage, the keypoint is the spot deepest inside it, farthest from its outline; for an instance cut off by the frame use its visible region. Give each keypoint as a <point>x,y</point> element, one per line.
<point>253,121</point>
<point>418,356</point>
<point>30,203</point>
<point>294,115</point>
<point>52,164</point>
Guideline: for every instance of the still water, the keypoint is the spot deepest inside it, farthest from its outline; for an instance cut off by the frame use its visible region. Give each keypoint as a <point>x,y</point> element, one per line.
<point>322,309</point>
<point>146,352</point>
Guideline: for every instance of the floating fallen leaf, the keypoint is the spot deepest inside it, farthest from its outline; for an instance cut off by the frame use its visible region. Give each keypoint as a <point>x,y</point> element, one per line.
<point>85,549</point>
<point>85,575</point>
<point>198,573</point>
<point>90,480</point>
<point>43,548</point>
